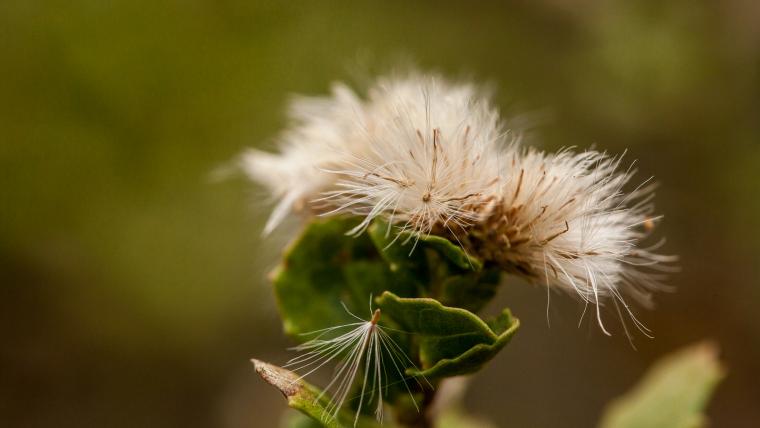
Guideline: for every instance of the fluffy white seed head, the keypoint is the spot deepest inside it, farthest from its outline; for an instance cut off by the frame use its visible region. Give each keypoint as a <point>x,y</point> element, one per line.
<point>565,221</point>
<point>324,133</point>
<point>433,158</point>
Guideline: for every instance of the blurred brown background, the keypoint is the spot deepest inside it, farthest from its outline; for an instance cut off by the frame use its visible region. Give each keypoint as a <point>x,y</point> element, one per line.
<point>132,286</point>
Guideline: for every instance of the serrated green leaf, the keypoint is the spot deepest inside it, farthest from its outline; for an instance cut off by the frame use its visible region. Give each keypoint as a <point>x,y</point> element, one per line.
<point>673,394</point>
<point>452,341</point>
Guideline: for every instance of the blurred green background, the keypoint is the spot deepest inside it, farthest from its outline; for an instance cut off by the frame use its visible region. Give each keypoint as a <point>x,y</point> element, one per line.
<point>132,284</point>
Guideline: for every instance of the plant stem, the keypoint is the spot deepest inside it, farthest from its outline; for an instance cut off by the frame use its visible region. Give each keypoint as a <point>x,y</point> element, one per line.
<point>411,418</point>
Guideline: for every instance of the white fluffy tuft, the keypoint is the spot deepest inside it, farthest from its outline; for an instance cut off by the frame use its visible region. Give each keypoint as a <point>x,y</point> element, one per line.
<point>433,157</point>
<point>324,134</point>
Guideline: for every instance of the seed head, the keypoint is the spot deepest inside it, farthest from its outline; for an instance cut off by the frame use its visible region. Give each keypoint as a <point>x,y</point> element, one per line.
<point>323,134</point>
<point>433,157</point>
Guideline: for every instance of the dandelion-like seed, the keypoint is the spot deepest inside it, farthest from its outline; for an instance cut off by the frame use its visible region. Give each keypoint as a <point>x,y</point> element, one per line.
<point>366,345</point>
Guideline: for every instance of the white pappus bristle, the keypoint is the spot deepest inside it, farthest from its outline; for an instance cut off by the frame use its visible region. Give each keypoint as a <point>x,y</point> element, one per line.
<point>430,156</point>
<point>365,350</point>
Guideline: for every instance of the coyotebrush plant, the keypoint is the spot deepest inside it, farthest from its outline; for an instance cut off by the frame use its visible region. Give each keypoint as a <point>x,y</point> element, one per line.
<point>421,195</point>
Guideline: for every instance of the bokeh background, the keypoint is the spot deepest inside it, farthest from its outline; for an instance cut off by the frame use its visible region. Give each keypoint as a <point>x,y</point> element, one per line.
<point>133,284</point>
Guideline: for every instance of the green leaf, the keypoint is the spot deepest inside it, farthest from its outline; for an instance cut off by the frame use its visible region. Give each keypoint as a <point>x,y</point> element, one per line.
<point>324,268</point>
<point>673,394</point>
<point>397,247</point>
<point>307,399</point>
<point>436,268</point>
<point>408,267</point>
<point>300,395</point>
<point>452,341</point>
<point>470,291</point>
<point>453,253</point>
<point>294,419</point>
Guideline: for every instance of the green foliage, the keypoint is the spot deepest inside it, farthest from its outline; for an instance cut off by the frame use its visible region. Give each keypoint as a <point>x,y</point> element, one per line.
<point>300,395</point>
<point>426,287</point>
<point>452,341</point>
<point>428,290</point>
<point>299,420</point>
<point>436,268</point>
<point>307,399</point>
<point>673,394</point>
<point>325,267</point>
